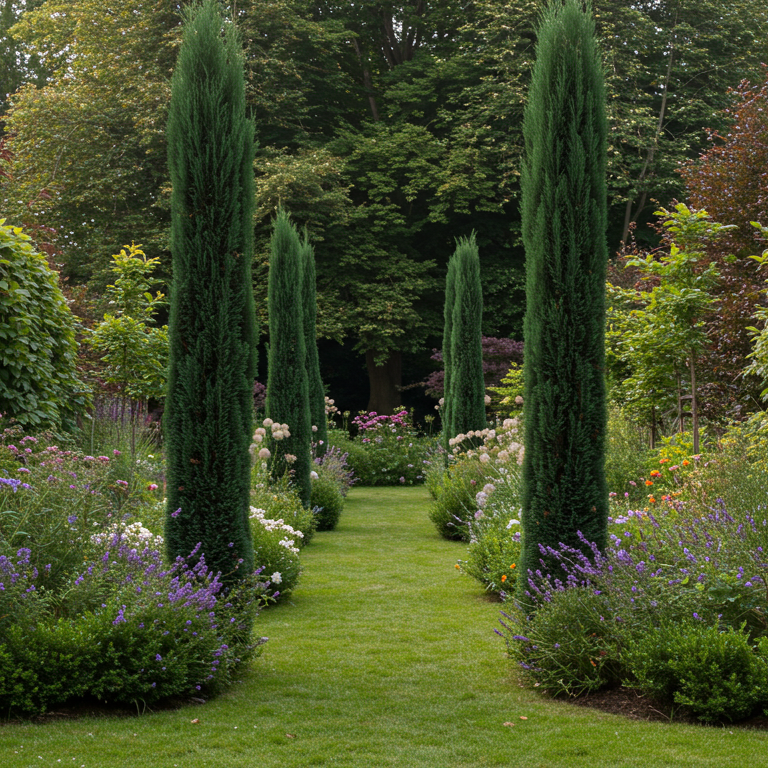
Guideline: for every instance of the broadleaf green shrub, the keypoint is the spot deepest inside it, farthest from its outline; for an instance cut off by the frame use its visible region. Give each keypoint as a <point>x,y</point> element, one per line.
<point>715,674</point>
<point>39,385</point>
<point>326,502</point>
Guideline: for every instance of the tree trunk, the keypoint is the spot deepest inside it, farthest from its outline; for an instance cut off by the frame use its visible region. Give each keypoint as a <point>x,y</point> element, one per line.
<point>385,382</point>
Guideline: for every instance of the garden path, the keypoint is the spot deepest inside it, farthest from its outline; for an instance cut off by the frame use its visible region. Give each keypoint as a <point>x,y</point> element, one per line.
<point>385,655</point>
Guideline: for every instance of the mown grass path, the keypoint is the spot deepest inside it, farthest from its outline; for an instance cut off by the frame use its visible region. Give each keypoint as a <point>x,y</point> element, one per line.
<point>384,656</point>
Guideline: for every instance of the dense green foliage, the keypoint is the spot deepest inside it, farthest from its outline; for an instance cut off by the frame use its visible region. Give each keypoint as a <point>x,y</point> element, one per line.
<point>377,125</point>
<point>209,407</point>
<point>288,400</point>
<point>39,384</point>
<point>327,502</point>
<point>133,349</point>
<point>467,387</point>
<point>564,220</point>
<point>450,301</point>
<point>308,305</point>
<point>656,330</point>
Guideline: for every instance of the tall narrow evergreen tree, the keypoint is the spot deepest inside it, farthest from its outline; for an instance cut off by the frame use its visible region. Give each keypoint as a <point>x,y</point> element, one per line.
<point>564,230</point>
<point>467,394</point>
<point>450,298</point>
<point>212,325</point>
<point>314,380</point>
<point>287,386</point>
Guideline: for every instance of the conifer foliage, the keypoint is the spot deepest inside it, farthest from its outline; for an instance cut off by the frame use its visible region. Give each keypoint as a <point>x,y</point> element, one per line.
<point>450,298</point>
<point>564,230</point>
<point>314,379</point>
<point>287,385</point>
<point>212,329</point>
<point>467,387</point>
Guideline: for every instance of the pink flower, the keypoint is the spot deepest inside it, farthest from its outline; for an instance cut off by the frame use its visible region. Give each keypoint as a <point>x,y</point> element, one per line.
<point>152,486</point>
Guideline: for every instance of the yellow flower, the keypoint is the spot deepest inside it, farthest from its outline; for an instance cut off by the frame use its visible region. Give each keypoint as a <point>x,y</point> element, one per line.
<point>457,566</point>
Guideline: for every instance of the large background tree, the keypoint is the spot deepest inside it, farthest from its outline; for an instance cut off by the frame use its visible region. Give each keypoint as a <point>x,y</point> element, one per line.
<point>212,328</point>
<point>387,129</point>
<point>564,227</point>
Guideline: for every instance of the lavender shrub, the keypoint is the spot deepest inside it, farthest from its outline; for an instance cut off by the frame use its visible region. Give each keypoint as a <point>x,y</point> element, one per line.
<point>672,568</point>
<point>127,629</point>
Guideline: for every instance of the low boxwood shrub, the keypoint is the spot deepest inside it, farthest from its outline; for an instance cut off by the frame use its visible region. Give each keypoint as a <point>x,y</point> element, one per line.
<point>326,501</point>
<point>715,674</point>
<point>127,629</point>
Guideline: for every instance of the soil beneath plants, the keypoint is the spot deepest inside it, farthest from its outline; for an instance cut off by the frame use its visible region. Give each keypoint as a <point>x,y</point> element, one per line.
<point>633,705</point>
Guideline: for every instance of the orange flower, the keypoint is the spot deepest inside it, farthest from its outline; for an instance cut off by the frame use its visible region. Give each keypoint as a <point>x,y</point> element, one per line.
<point>651,499</point>
<point>686,462</point>
<point>663,461</point>
<point>503,576</point>
<point>512,566</point>
<point>649,482</point>
<point>655,473</point>
<point>457,566</point>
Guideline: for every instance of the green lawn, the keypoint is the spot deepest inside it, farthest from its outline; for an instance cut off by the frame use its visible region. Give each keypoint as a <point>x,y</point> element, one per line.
<point>384,656</point>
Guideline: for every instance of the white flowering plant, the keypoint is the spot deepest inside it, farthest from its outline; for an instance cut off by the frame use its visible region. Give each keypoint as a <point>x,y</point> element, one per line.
<point>276,546</point>
<point>480,460</point>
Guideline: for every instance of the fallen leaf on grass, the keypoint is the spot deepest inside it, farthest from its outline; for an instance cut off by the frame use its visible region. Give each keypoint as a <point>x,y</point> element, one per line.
<point>291,735</point>
<point>196,720</point>
<point>508,723</point>
<point>523,717</point>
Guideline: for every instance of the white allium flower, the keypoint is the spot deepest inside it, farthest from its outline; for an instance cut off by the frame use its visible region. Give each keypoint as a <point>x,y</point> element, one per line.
<point>267,422</point>
<point>503,456</point>
<point>519,400</point>
<point>290,458</point>
<point>276,577</point>
<point>278,435</point>
<point>491,434</point>
<point>489,488</point>
<point>313,475</point>
<point>487,399</point>
<point>484,458</point>
<point>257,438</point>
<point>261,431</point>
<point>284,427</point>
<point>441,401</point>
<point>264,453</point>
<point>481,497</point>
<point>314,428</point>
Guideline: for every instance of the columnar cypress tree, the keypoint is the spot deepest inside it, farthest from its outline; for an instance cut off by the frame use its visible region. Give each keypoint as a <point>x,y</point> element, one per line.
<point>564,221</point>
<point>212,326</point>
<point>287,388</point>
<point>314,380</point>
<point>466,350</point>
<point>450,297</point>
